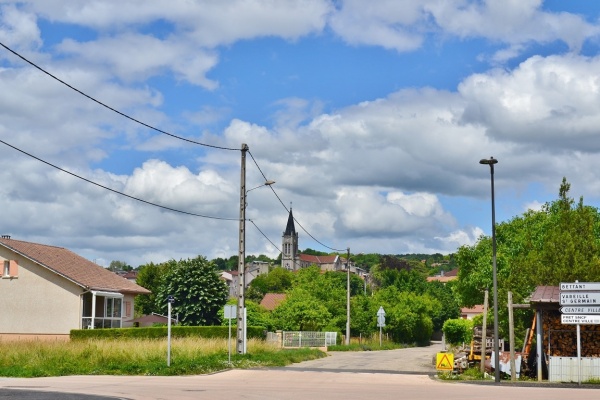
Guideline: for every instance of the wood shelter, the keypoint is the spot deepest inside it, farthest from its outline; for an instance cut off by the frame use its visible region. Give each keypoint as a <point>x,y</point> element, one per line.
<point>557,341</point>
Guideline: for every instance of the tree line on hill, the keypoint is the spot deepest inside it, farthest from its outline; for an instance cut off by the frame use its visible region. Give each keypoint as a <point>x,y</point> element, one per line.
<point>560,242</point>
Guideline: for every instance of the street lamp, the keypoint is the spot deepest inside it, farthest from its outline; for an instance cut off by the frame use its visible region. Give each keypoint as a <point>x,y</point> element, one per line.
<point>241,311</point>
<point>491,163</point>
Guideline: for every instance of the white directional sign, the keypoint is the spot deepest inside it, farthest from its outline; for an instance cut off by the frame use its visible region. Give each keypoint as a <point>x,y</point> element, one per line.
<point>579,298</point>
<point>381,317</point>
<point>580,319</point>
<point>580,310</point>
<point>579,286</point>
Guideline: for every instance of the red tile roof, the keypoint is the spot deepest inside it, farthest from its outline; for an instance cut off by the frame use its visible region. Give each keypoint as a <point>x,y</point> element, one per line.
<point>318,259</point>
<point>477,309</point>
<point>73,267</point>
<point>272,300</point>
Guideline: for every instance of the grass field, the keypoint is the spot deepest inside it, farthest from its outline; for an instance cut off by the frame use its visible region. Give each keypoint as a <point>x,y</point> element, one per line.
<point>139,357</point>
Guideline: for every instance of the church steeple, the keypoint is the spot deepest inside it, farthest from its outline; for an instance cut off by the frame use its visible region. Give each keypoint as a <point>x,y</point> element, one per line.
<point>290,229</point>
<point>289,242</point>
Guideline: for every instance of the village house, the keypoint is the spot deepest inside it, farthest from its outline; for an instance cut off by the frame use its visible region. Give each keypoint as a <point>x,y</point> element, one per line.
<point>47,291</point>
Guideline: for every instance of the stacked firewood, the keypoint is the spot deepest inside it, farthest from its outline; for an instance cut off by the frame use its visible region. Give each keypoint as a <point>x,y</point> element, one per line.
<point>477,336</point>
<point>561,340</point>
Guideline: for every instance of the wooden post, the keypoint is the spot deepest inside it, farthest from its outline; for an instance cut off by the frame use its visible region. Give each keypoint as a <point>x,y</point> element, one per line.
<point>484,332</point>
<point>511,338</point>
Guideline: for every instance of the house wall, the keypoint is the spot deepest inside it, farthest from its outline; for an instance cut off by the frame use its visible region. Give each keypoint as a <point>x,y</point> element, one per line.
<point>127,314</point>
<point>37,302</point>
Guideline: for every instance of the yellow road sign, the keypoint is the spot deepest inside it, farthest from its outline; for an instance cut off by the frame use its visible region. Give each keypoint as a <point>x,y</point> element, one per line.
<point>444,361</point>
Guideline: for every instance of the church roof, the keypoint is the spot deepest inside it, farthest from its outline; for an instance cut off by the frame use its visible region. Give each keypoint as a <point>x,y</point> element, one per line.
<point>290,229</point>
<point>318,260</point>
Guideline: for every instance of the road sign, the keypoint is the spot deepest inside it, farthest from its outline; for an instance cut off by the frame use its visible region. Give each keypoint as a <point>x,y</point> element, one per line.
<point>572,319</point>
<point>444,361</point>
<point>579,286</point>
<point>580,310</point>
<point>230,311</point>
<point>381,317</point>
<point>579,298</point>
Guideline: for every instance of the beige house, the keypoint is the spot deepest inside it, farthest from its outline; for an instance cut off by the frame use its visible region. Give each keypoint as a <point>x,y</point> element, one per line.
<point>46,291</point>
<point>253,269</point>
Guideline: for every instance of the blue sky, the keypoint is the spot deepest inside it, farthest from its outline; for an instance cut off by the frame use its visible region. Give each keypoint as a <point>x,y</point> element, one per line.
<point>370,116</point>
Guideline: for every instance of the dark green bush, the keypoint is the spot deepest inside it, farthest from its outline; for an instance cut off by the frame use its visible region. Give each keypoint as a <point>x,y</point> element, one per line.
<point>457,331</point>
<point>155,332</point>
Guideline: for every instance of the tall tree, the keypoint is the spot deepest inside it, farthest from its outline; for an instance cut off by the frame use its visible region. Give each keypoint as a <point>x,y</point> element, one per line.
<point>151,277</point>
<point>558,243</point>
<point>277,280</point>
<point>198,291</point>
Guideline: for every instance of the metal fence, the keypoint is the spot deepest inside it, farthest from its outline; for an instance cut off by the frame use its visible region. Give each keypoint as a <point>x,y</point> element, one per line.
<point>303,338</point>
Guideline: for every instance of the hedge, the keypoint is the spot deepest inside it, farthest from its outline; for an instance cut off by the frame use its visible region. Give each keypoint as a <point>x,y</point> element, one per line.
<point>457,331</point>
<point>155,332</point>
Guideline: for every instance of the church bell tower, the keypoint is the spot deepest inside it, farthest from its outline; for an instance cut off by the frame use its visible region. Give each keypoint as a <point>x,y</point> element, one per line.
<point>289,245</point>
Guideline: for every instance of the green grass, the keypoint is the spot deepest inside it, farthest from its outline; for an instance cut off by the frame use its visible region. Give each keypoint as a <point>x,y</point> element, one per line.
<point>189,356</point>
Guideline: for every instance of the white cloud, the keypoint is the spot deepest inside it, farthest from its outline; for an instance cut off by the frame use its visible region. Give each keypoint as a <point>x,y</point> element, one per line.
<point>19,29</point>
<point>554,99</point>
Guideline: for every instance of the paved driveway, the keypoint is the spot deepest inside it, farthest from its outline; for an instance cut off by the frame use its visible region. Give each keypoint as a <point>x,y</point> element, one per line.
<point>416,360</point>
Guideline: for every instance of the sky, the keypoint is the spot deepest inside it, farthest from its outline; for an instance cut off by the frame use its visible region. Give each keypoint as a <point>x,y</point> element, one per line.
<point>122,123</point>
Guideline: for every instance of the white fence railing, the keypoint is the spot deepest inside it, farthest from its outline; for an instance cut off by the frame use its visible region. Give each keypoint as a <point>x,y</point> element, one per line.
<point>566,369</point>
<point>302,338</point>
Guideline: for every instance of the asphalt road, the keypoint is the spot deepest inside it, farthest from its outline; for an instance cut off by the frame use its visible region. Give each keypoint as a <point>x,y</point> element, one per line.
<point>380,375</point>
<point>414,360</point>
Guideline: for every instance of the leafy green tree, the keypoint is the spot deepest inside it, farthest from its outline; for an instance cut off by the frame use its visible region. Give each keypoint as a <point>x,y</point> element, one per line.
<point>444,294</point>
<point>150,276</point>
<point>119,266</point>
<point>458,331</point>
<point>405,278</point>
<point>301,311</point>
<point>278,280</point>
<point>558,243</point>
<point>408,315</point>
<point>198,291</point>
<point>255,315</point>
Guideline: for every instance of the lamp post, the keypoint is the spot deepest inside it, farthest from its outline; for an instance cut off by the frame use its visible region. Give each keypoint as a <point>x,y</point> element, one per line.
<point>348,299</point>
<point>241,311</point>
<point>491,163</point>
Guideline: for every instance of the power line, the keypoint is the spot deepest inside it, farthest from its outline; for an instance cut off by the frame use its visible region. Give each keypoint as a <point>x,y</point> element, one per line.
<point>265,236</point>
<point>284,206</point>
<point>109,107</point>
<point>116,191</point>
<point>157,130</point>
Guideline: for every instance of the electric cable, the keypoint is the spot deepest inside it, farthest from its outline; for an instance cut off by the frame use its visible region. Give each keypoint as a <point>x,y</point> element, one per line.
<point>284,206</point>
<point>116,191</point>
<point>109,107</point>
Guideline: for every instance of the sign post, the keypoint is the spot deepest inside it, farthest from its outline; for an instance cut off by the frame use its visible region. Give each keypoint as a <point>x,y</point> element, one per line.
<point>170,301</point>
<point>229,313</point>
<point>380,322</point>
<point>581,301</point>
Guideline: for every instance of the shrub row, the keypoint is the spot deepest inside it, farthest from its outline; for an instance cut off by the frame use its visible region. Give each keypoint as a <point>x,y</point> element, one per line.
<point>155,332</point>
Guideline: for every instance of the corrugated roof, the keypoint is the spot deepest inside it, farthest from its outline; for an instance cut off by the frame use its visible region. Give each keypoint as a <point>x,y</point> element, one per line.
<point>272,300</point>
<point>545,294</point>
<point>73,267</point>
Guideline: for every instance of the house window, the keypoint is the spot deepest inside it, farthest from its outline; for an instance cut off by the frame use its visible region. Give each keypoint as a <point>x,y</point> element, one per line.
<point>10,269</point>
<point>112,307</point>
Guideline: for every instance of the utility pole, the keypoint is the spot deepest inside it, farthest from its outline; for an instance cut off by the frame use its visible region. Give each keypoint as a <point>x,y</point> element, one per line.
<point>348,299</point>
<point>241,306</point>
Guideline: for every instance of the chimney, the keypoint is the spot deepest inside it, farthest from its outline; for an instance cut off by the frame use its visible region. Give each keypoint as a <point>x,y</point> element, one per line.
<point>5,236</point>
